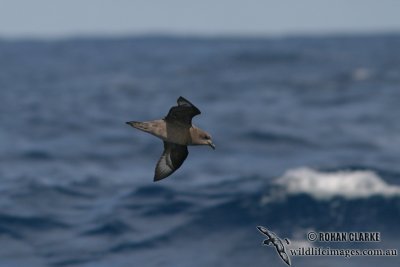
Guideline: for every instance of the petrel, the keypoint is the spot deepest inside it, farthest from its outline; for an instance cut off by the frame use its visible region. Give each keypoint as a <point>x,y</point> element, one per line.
<point>177,132</point>
<point>274,240</point>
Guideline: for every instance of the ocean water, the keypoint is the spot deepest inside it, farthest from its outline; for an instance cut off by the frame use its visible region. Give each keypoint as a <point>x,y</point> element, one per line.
<point>306,129</point>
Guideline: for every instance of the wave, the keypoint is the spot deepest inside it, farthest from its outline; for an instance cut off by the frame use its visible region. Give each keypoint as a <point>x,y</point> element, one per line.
<point>293,216</point>
<point>276,138</point>
<point>300,200</point>
<point>16,225</point>
<point>326,185</point>
<point>37,155</point>
<point>109,228</point>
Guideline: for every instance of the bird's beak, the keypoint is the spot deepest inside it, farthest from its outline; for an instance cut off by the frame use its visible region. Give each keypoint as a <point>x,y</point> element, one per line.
<point>211,144</point>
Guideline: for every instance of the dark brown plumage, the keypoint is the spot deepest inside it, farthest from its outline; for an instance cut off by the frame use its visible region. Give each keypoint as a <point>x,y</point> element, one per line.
<point>177,132</point>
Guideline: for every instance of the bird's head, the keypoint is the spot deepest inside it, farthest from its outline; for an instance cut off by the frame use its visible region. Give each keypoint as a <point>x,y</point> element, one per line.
<point>208,140</point>
<point>203,138</point>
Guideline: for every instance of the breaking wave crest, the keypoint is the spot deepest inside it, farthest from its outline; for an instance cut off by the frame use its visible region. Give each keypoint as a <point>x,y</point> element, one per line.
<point>346,184</point>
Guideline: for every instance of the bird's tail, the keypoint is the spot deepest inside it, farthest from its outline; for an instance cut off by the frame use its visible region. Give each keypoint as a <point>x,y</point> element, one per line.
<point>144,126</point>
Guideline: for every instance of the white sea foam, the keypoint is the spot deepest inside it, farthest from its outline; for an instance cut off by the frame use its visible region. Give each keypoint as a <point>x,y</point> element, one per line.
<point>347,184</point>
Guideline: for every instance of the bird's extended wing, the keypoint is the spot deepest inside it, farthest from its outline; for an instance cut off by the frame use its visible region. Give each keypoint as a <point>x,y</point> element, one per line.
<point>171,159</point>
<point>183,113</point>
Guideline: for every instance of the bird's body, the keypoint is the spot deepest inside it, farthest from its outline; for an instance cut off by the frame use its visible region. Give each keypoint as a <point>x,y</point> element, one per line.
<point>169,131</point>
<point>177,132</point>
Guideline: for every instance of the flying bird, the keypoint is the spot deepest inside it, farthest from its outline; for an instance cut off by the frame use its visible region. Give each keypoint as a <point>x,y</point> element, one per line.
<point>177,132</point>
<point>274,240</point>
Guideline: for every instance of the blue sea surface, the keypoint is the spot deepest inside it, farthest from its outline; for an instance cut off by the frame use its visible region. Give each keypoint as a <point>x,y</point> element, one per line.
<point>307,132</point>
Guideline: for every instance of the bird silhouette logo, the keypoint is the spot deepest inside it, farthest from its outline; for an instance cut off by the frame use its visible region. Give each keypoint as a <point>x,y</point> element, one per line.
<point>274,240</point>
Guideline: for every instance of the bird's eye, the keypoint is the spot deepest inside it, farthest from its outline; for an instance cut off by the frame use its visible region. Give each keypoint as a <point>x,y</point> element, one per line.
<point>206,137</point>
